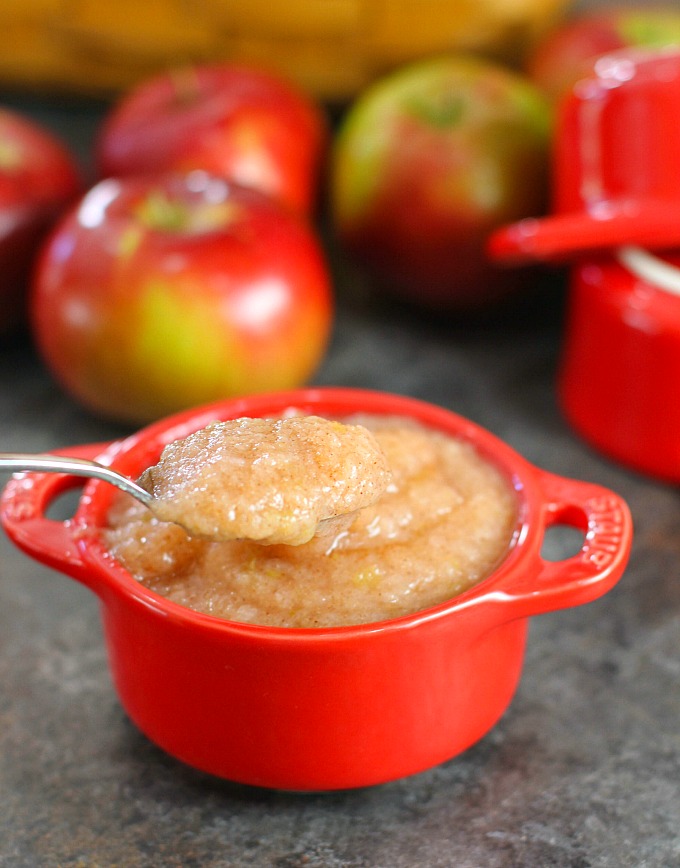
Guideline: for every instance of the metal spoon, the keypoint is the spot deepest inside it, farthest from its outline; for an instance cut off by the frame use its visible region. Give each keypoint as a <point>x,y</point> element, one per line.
<point>18,461</point>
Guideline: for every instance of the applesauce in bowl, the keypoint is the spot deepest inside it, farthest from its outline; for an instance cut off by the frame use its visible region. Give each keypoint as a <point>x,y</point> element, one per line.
<point>443,522</point>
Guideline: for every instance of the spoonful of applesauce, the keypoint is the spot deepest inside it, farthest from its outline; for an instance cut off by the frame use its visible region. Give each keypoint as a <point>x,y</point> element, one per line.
<point>266,480</point>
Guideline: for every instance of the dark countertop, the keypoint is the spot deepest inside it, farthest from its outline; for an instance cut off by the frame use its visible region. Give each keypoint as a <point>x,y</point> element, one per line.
<point>583,769</point>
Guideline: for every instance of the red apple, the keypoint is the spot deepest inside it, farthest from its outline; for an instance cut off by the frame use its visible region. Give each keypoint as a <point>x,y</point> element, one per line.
<point>38,179</point>
<point>157,294</point>
<point>426,163</point>
<point>569,51</point>
<point>244,124</point>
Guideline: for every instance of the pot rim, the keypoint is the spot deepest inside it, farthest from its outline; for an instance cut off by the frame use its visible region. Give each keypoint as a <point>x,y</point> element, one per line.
<point>523,583</point>
<point>126,455</point>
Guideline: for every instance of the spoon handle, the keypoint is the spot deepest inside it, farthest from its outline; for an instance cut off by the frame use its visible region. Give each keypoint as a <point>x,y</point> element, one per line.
<point>46,463</point>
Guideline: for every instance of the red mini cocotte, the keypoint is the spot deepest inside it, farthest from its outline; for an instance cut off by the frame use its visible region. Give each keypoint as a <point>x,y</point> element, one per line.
<point>617,219</point>
<point>318,709</point>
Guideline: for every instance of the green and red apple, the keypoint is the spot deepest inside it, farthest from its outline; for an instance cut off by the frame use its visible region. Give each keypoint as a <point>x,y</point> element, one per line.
<point>155,294</point>
<point>427,162</point>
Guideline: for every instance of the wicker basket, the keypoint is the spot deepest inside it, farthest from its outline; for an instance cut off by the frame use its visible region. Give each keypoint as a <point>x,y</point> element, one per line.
<point>331,47</point>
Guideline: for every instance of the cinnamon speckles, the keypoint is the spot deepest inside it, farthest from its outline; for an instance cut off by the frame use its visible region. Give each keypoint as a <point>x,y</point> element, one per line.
<point>267,480</point>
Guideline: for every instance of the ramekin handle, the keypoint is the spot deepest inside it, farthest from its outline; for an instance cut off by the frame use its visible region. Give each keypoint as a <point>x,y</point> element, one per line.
<point>23,513</point>
<point>606,523</point>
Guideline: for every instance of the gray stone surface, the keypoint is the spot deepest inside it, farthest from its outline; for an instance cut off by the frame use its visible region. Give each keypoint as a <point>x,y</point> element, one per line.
<point>583,770</point>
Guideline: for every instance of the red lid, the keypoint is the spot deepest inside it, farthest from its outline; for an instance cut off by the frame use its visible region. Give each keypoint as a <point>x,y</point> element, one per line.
<point>616,164</point>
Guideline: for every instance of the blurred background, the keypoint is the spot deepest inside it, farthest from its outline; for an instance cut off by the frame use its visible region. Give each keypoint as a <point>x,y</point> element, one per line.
<point>333,48</point>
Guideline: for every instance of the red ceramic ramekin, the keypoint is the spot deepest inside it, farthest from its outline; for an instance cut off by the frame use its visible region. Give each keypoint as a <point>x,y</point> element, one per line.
<point>620,369</point>
<point>324,708</point>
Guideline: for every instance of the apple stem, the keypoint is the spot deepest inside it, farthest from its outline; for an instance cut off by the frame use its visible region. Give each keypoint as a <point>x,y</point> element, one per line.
<point>442,114</point>
<point>185,84</point>
<point>160,212</point>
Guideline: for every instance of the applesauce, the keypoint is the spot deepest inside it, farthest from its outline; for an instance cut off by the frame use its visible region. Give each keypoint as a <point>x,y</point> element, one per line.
<point>444,522</point>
